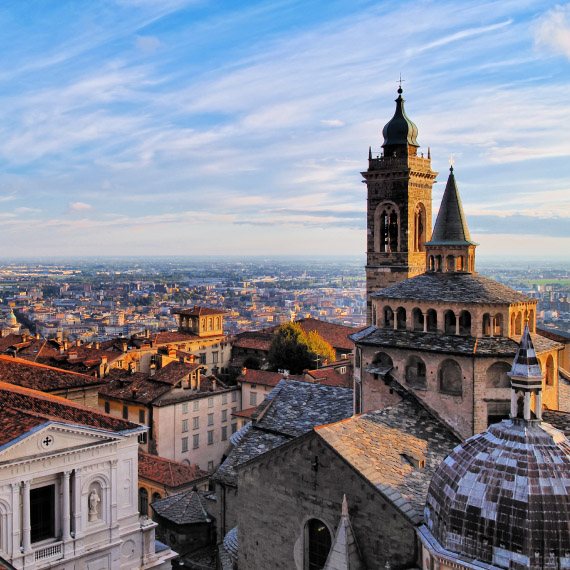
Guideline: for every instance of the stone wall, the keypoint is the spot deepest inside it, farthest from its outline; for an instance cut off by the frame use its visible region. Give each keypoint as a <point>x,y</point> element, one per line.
<point>281,492</point>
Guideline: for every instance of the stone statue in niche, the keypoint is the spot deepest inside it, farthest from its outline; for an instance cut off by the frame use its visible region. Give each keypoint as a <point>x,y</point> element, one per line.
<point>93,501</point>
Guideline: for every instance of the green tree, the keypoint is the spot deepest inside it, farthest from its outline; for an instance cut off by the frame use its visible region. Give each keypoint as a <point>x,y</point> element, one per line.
<point>295,350</point>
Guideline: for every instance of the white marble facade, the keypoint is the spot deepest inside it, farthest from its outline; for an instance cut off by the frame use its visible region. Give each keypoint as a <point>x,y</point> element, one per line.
<point>68,500</point>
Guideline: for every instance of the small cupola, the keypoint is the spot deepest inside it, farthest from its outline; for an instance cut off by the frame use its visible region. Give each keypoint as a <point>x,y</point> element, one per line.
<point>526,380</point>
<point>400,133</point>
<point>450,248</point>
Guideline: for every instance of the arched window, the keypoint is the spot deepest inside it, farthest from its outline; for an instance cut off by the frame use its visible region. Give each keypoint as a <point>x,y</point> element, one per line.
<point>431,263</point>
<point>497,375</point>
<point>386,228</point>
<point>217,322</point>
<point>513,323</point>
<point>487,325</point>
<point>531,320</point>
<point>156,497</point>
<point>388,318</point>
<point>432,320</point>
<point>401,319</point>
<point>450,263</point>
<point>317,544</point>
<point>419,227</point>
<point>450,378</point>
<point>416,372</point>
<point>518,323</point>
<point>465,323</point>
<point>449,322</point>
<point>438,263</point>
<point>498,325</point>
<point>417,320</point>
<point>143,501</point>
<point>549,376</point>
<point>383,360</point>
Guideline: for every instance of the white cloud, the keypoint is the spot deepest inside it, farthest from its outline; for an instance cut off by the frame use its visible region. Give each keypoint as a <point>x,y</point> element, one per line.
<point>147,44</point>
<point>552,30</point>
<point>332,123</point>
<point>79,207</point>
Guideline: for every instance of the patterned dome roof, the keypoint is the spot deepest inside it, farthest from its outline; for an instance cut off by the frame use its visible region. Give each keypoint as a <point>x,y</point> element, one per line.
<point>503,497</point>
<point>400,130</point>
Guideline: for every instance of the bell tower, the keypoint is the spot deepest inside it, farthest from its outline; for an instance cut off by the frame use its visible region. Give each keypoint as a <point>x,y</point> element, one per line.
<point>399,184</point>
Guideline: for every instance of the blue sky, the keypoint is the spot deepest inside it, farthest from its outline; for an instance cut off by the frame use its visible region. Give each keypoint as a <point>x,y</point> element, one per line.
<point>158,127</point>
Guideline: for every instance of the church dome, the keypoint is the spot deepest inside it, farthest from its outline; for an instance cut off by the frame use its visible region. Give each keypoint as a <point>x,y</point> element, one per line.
<point>503,497</point>
<point>400,130</point>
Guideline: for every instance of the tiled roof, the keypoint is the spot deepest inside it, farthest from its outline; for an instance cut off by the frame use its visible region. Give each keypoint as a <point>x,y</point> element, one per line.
<point>449,344</point>
<point>330,377</point>
<point>382,446</point>
<point>462,288</point>
<point>502,497</point>
<point>291,409</point>
<point>22,407</point>
<point>197,311</point>
<point>209,386</point>
<point>168,472</point>
<point>41,377</point>
<point>173,372</point>
<point>135,387</point>
<point>559,420</point>
<point>182,508</point>
<point>261,377</point>
<point>254,443</point>
<point>335,335</point>
<point>258,340</point>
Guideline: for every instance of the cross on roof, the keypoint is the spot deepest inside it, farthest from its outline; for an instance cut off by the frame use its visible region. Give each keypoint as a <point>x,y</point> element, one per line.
<point>47,441</point>
<point>400,81</point>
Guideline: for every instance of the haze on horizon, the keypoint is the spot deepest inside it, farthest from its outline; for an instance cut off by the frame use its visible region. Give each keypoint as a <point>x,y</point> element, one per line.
<point>189,127</point>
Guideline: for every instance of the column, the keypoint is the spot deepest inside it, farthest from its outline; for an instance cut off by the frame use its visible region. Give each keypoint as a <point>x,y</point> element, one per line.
<point>16,535</point>
<point>527,405</point>
<point>77,503</point>
<point>456,323</point>
<point>114,498</point>
<point>538,405</point>
<point>492,325</point>
<point>26,521</point>
<point>66,527</point>
<point>425,321</point>
<point>513,404</point>
<point>396,320</point>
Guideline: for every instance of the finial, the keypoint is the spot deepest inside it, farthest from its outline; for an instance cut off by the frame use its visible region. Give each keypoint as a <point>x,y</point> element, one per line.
<point>344,511</point>
<point>369,153</point>
<point>451,162</point>
<point>429,153</point>
<point>400,81</point>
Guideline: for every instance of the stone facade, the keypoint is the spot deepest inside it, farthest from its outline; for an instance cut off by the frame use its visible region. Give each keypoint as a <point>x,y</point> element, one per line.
<point>308,481</point>
<point>400,187</point>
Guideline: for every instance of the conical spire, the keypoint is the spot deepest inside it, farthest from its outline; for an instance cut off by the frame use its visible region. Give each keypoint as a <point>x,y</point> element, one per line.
<point>451,225</point>
<point>526,364</point>
<point>400,130</point>
<point>344,553</point>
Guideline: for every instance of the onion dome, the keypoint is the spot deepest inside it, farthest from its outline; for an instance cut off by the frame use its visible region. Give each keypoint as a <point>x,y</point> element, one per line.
<point>451,224</point>
<point>400,130</point>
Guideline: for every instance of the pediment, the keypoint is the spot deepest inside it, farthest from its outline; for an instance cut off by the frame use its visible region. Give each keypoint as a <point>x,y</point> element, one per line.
<point>51,439</point>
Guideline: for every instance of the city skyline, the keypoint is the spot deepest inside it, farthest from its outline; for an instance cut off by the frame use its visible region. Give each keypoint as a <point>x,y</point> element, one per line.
<point>184,128</point>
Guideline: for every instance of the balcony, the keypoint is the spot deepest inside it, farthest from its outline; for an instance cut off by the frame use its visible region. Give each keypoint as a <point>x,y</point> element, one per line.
<point>49,553</point>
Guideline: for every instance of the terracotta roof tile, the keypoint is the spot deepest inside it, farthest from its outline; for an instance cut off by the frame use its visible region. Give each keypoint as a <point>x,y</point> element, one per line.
<point>168,472</point>
<point>42,377</point>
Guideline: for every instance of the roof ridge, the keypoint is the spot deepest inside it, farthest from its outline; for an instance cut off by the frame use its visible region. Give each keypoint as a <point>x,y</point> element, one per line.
<point>26,362</point>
